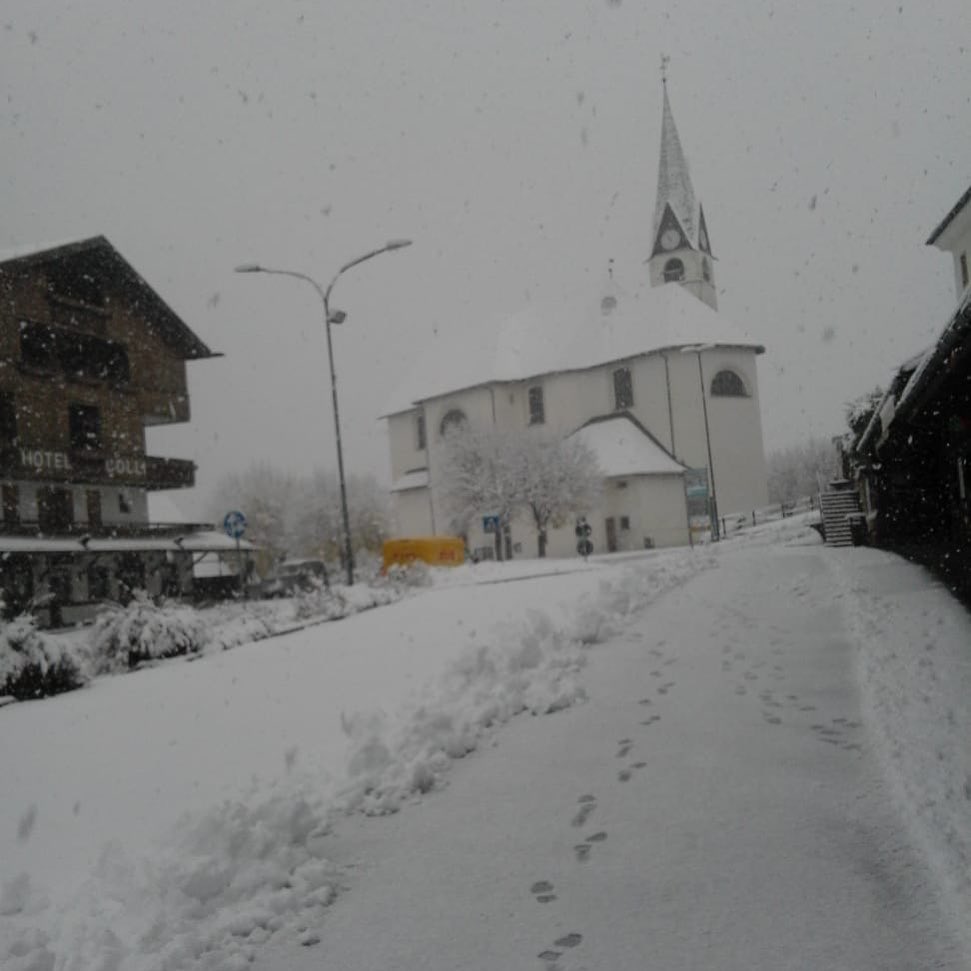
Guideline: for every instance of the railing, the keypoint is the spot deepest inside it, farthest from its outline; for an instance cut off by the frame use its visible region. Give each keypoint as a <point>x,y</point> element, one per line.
<point>32,527</point>
<point>738,522</point>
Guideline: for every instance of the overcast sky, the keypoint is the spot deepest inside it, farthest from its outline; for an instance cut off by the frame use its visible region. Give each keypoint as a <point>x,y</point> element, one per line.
<point>516,143</point>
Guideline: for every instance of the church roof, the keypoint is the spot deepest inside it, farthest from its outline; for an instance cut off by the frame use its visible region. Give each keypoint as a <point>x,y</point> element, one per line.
<point>674,186</point>
<point>624,447</point>
<point>537,341</point>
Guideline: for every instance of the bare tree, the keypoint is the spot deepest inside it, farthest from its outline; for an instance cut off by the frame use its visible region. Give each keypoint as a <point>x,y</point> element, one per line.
<point>801,470</point>
<point>300,516</point>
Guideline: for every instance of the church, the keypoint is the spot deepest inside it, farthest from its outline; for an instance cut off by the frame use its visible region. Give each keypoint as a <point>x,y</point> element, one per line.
<point>659,385</point>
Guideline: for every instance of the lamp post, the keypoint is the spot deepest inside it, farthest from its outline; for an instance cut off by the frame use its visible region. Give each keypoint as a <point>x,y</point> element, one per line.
<point>334,317</point>
<point>712,501</point>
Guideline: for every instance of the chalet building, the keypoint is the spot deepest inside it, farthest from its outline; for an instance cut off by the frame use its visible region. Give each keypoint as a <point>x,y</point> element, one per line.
<point>90,356</point>
<point>914,457</point>
<point>660,386</point>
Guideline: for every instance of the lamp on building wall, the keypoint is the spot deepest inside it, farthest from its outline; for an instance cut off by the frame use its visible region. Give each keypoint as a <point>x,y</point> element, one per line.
<point>712,499</point>
<point>334,317</point>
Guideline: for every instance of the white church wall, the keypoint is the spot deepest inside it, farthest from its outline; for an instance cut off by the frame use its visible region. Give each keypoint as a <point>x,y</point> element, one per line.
<point>736,434</point>
<point>403,444</point>
<point>655,509</point>
<point>412,513</point>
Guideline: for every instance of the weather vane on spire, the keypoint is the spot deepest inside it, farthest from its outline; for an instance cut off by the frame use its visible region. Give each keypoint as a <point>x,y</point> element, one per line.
<point>665,60</point>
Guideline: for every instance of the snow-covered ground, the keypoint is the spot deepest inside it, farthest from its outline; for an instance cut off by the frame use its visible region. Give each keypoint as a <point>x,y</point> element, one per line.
<point>184,816</point>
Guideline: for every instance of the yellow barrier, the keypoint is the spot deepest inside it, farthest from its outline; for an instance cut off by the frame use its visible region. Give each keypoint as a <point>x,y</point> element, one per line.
<point>433,550</point>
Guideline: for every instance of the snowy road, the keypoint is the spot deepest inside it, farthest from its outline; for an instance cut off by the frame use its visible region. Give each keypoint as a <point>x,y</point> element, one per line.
<point>718,802</point>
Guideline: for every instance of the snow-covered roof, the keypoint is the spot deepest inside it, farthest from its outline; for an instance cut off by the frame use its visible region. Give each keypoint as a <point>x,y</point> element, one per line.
<point>954,212</point>
<point>674,186</point>
<point>416,479</point>
<point>110,263</point>
<point>537,341</point>
<point>624,447</point>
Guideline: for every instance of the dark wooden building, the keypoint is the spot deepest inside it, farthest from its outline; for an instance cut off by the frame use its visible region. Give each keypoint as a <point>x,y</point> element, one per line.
<point>914,457</point>
<point>90,356</point>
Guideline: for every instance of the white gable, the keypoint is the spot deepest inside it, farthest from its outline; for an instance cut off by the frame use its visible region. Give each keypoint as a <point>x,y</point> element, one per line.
<point>624,449</point>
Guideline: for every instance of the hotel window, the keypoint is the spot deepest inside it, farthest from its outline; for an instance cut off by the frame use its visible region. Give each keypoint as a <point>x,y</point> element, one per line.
<point>420,441</point>
<point>625,522</point>
<point>85,427</point>
<point>124,503</point>
<point>8,420</point>
<point>623,389</point>
<point>11,505</point>
<point>55,509</point>
<point>93,501</point>
<point>537,413</point>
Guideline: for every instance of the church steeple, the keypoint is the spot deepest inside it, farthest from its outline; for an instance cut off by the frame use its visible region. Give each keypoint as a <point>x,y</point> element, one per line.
<point>681,252</point>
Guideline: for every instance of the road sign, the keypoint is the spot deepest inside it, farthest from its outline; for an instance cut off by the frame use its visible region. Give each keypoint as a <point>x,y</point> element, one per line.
<point>490,524</point>
<point>234,524</point>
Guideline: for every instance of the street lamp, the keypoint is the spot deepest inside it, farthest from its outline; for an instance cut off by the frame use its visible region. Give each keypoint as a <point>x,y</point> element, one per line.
<point>713,501</point>
<point>334,317</point>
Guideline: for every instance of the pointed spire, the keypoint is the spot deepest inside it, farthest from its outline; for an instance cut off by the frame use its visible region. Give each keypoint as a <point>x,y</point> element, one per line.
<point>674,186</point>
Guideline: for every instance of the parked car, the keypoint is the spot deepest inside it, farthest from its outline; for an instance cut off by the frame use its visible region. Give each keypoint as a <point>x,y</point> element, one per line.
<point>293,576</point>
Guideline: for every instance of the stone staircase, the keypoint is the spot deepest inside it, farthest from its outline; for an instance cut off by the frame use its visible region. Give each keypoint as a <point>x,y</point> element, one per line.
<point>839,502</point>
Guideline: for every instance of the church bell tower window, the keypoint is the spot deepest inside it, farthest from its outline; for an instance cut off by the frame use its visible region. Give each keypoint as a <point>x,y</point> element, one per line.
<point>673,271</point>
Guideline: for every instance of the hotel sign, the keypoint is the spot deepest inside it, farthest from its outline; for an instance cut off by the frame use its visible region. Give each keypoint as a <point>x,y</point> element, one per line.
<point>114,467</point>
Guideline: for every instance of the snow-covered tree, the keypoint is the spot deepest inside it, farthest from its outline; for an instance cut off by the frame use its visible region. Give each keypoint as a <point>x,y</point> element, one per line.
<point>560,479</point>
<point>479,475</point>
<point>501,473</point>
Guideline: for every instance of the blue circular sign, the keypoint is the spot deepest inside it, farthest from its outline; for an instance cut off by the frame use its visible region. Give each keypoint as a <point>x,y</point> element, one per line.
<point>234,524</point>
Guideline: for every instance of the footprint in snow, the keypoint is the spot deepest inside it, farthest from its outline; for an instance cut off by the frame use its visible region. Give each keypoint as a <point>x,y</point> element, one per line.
<point>624,775</point>
<point>741,689</point>
<point>582,851</point>
<point>583,813</point>
<point>597,837</point>
<point>542,890</point>
<point>569,940</point>
<point>625,747</point>
<point>651,720</point>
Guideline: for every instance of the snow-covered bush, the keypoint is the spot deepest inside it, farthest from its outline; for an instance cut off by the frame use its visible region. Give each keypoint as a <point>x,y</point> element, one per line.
<point>414,574</point>
<point>123,637</point>
<point>320,601</point>
<point>32,664</point>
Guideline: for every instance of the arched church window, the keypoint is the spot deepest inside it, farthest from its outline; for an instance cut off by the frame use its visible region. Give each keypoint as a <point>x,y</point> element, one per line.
<point>455,418</point>
<point>673,271</point>
<point>727,384</point>
<point>706,271</point>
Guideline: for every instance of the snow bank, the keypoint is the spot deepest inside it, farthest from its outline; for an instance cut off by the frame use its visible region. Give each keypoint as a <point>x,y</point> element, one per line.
<point>534,667</point>
<point>233,875</point>
<point>914,664</point>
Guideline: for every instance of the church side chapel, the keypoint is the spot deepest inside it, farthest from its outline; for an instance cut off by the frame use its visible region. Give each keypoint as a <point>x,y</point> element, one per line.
<point>659,386</point>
